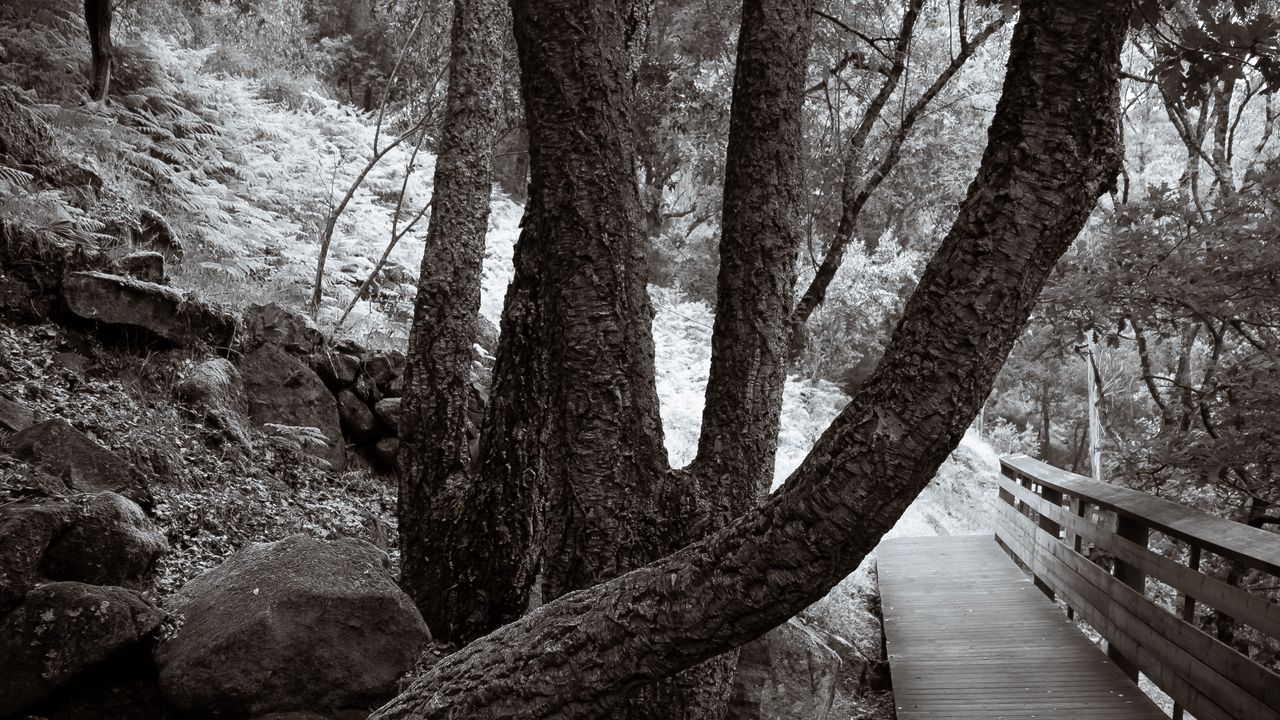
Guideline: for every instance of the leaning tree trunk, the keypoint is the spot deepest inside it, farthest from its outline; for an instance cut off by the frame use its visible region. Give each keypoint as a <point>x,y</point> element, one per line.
<point>97,17</point>
<point>1053,148</point>
<point>441,511</point>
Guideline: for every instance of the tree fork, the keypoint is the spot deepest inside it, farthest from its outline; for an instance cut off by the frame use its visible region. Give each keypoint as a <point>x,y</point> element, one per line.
<point>1053,148</point>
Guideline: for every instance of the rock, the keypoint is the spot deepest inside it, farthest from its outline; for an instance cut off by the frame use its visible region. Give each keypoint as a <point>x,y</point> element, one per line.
<point>357,418</point>
<point>103,539</point>
<point>163,311</point>
<point>384,367</point>
<point>367,390</point>
<point>82,464</point>
<point>788,673</point>
<point>486,334</point>
<point>156,233</point>
<point>109,541</point>
<point>216,388</point>
<point>25,532</point>
<point>143,265</point>
<point>14,416</point>
<point>294,625</point>
<point>277,324</point>
<point>338,370</point>
<point>282,390</point>
<point>62,629</point>
<point>396,388</point>
<point>386,453</point>
<point>388,411</point>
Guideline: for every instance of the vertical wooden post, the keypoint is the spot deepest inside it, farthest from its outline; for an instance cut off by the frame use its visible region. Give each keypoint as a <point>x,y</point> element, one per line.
<point>1053,496</point>
<point>1074,540</point>
<point>1188,611</point>
<point>1135,532</point>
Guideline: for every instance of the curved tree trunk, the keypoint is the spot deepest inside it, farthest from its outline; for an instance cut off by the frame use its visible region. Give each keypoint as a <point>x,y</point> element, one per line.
<point>440,509</point>
<point>97,17</point>
<point>1053,148</point>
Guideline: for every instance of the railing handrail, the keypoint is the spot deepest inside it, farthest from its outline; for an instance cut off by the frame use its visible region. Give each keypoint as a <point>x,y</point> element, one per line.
<point>1251,546</point>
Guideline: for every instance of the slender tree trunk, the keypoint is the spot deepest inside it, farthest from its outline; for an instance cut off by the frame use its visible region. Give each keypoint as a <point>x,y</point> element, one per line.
<point>762,229</point>
<point>441,510</point>
<point>97,17</point>
<point>1053,149</point>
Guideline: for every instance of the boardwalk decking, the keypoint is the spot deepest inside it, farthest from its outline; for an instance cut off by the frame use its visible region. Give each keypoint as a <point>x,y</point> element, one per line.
<point>970,637</point>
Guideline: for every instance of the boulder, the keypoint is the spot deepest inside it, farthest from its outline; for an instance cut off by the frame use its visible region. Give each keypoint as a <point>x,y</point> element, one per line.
<point>357,418</point>
<point>787,674</point>
<point>175,316</point>
<point>273,323</point>
<point>109,541</point>
<point>338,370</point>
<point>386,453</point>
<point>284,391</point>
<point>295,625</point>
<point>367,390</point>
<point>388,411</point>
<point>103,539</point>
<point>15,416</point>
<point>486,334</point>
<point>143,265</point>
<point>384,367</point>
<point>216,389</point>
<point>82,464</point>
<point>63,629</point>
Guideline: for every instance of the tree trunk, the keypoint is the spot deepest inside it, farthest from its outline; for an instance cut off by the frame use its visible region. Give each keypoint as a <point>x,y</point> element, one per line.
<point>440,509</point>
<point>762,220</point>
<point>97,17</point>
<point>1053,148</point>
<point>574,418</point>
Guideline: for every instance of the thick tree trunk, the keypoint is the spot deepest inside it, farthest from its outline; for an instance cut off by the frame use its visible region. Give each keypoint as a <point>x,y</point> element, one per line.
<point>97,17</point>
<point>574,418</point>
<point>1053,148</point>
<point>454,562</point>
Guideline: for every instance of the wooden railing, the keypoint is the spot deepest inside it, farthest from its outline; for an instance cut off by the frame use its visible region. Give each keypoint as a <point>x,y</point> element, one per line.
<point>1057,524</point>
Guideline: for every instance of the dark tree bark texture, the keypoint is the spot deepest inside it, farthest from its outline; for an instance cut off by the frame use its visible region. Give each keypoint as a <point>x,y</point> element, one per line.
<point>439,509</point>
<point>1053,147</point>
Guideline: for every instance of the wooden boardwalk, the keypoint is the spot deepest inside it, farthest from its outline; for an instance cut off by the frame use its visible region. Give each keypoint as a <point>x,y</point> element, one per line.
<point>969,636</point>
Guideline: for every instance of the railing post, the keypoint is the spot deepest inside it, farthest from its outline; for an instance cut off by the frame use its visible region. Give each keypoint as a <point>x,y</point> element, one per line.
<point>1188,611</point>
<point>1074,541</point>
<point>1054,497</point>
<point>1135,532</point>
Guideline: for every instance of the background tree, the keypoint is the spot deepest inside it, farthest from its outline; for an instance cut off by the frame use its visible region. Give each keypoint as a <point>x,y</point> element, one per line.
<point>97,18</point>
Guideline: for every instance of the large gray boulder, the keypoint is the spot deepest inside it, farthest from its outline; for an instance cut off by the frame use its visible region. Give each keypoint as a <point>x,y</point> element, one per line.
<point>77,460</point>
<point>273,323</point>
<point>215,388</point>
<point>787,674</point>
<point>160,310</point>
<point>102,539</point>
<point>284,391</point>
<point>63,629</point>
<point>295,625</point>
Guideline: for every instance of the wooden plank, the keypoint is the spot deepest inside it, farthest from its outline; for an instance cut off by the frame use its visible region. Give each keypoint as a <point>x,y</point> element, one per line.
<point>969,636</point>
<point>1231,680</point>
<point>1252,546</point>
<point>1253,610</point>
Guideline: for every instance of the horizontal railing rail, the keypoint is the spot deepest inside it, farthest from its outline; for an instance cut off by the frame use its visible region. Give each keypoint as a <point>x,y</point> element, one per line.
<point>1053,522</point>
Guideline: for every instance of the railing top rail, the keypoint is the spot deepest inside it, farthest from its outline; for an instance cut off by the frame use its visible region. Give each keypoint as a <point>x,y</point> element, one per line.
<point>1252,546</point>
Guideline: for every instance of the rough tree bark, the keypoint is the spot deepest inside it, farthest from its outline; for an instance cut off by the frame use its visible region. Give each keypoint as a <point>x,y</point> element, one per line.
<point>436,501</point>
<point>1053,147</point>
<point>97,17</point>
